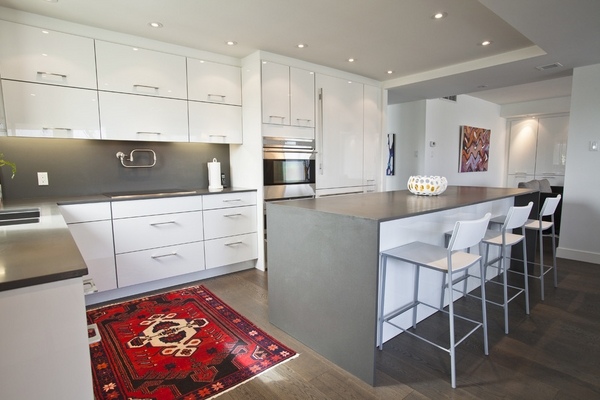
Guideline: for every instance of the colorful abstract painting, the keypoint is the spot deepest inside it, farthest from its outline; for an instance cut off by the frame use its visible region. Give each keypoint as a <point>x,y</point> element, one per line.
<point>474,149</point>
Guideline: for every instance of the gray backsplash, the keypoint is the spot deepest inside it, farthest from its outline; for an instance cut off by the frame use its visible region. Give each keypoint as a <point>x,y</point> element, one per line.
<point>79,167</point>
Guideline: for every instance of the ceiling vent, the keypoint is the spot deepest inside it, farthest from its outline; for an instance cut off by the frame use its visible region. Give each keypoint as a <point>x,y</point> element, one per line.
<point>450,98</point>
<point>549,66</point>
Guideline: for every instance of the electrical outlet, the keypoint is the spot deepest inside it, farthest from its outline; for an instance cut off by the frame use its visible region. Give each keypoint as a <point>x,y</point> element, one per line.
<point>42,178</point>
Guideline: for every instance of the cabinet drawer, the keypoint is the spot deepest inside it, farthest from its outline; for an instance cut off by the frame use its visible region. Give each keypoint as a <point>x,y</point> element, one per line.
<point>138,208</point>
<point>230,250</point>
<point>225,200</point>
<point>85,212</point>
<point>132,234</point>
<point>224,222</point>
<point>164,262</point>
<point>44,56</point>
<point>129,69</point>
<point>35,110</point>
<point>131,117</point>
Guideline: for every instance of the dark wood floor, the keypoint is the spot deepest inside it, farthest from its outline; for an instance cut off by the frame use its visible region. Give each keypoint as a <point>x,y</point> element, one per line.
<point>554,353</point>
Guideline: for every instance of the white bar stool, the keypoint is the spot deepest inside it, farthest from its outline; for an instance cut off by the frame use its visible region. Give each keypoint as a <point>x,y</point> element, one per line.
<point>465,235</point>
<point>504,238</point>
<point>541,225</point>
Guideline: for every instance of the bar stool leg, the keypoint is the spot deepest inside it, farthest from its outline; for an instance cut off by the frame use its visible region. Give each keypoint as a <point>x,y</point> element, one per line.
<point>416,295</point>
<point>526,273</point>
<point>504,265</point>
<point>554,255</point>
<point>451,317</point>
<point>483,306</point>
<point>542,262</point>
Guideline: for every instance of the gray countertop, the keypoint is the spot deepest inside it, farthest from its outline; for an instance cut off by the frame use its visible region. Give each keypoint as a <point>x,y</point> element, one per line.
<point>385,206</point>
<point>43,252</point>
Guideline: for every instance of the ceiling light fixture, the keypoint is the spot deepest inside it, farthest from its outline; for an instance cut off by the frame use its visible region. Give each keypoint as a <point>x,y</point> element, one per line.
<point>302,45</point>
<point>230,43</point>
<point>390,72</point>
<point>351,60</point>
<point>155,24</point>
<point>486,43</point>
<point>439,15</point>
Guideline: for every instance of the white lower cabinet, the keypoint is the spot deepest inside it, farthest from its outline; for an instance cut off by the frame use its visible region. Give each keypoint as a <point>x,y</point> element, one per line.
<point>229,221</point>
<point>159,263</point>
<point>231,250</point>
<point>91,227</point>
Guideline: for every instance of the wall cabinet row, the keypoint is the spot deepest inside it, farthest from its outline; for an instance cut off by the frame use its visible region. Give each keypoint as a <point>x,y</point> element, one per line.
<point>538,149</point>
<point>130,242</point>
<point>140,94</point>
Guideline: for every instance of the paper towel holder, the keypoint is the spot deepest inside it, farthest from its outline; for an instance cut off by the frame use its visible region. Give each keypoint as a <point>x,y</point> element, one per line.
<point>214,176</point>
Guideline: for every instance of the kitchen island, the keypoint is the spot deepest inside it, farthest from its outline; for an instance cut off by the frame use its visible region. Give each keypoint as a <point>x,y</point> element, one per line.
<point>323,257</point>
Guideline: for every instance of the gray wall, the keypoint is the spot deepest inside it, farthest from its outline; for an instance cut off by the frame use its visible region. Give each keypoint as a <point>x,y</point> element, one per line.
<point>79,167</point>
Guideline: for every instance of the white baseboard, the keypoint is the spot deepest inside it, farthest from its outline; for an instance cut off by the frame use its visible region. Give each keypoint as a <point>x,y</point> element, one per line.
<point>578,255</point>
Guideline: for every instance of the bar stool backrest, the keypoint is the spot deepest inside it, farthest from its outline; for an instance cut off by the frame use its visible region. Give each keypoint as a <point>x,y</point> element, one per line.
<point>550,205</point>
<point>517,216</point>
<point>467,234</point>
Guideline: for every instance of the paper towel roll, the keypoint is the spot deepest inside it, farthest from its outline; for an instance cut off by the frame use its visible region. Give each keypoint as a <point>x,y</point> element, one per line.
<point>214,175</point>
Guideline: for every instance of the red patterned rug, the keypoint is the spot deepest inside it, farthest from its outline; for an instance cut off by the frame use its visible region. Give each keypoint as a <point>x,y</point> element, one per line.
<point>186,345</point>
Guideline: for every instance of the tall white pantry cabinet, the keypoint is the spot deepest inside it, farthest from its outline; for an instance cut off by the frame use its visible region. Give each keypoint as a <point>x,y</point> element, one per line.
<point>538,149</point>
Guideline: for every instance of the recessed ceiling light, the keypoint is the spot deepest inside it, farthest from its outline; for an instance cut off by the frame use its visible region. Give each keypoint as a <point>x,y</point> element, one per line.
<point>302,45</point>
<point>390,72</point>
<point>439,15</point>
<point>351,60</point>
<point>486,43</point>
<point>230,43</point>
<point>155,24</point>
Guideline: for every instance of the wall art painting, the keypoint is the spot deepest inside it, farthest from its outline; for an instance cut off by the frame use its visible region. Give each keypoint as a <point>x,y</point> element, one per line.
<point>474,149</point>
<point>389,171</point>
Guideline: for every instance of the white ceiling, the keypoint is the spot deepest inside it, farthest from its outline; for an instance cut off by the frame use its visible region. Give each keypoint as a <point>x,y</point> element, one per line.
<point>430,58</point>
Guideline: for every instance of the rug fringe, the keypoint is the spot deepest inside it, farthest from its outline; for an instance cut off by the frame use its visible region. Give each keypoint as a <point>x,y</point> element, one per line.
<point>254,377</point>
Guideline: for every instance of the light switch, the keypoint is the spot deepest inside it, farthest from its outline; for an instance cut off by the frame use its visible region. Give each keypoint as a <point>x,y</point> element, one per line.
<point>593,145</point>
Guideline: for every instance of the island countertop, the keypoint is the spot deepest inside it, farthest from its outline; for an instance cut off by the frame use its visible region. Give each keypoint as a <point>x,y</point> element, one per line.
<point>386,206</point>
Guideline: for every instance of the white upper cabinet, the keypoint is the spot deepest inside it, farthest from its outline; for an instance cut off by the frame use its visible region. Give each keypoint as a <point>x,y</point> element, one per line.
<point>288,95</point>
<point>275,93</point>
<point>44,56</point>
<point>521,154</point>
<point>215,123</point>
<point>129,69</point>
<point>35,110</point>
<point>302,97</point>
<point>551,155</point>
<point>128,117</point>
<point>214,83</point>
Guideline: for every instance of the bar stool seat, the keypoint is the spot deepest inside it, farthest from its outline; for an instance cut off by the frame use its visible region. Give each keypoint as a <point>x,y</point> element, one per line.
<point>448,261</point>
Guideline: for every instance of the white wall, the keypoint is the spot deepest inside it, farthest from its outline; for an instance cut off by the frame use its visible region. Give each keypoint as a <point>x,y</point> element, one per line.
<point>418,123</point>
<point>579,239</point>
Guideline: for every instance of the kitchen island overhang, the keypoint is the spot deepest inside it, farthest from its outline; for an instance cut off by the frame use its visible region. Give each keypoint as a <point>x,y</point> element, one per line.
<point>323,257</point>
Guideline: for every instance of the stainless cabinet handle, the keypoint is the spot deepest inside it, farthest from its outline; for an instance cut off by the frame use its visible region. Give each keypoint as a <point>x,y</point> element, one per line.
<point>233,244</point>
<point>146,86</point>
<point>230,200</point>
<point>52,73</point>
<point>218,135</point>
<point>174,253</point>
<point>282,118</point>
<point>222,96</point>
<point>303,119</point>
<point>56,129</point>
<point>148,133</point>
<point>320,130</point>
<point>232,215</point>
<point>162,223</point>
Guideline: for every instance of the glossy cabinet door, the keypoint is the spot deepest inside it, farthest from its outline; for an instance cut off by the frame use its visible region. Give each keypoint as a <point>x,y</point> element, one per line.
<point>275,93</point>
<point>215,123</point>
<point>129,69</point>
<point>91,227</point>
<point>340,140</point>
<point>214,83</point>
<point>372,166</point>
<point>35,110</point>
<point>224,222</point>
<point>552,148</point>
<point>227,200</point>
<point>40,55</point>
<point>231,250</point>
<point>130,117</point>
<point>522,147</point>
<point>302,97</point>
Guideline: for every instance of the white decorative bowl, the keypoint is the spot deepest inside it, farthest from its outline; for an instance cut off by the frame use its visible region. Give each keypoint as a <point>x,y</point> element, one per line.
<point>427,185</point>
